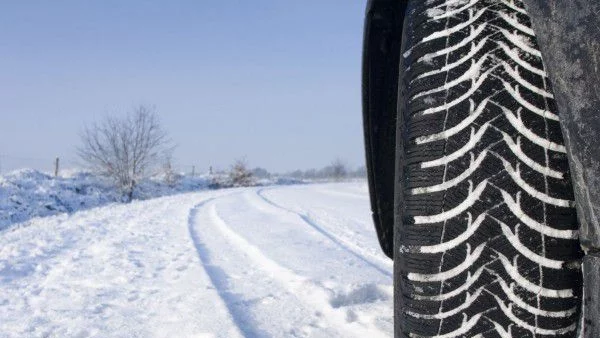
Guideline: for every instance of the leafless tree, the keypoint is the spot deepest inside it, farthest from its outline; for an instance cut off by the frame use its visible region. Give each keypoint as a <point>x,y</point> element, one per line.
<point>339,169</point>
<point>126,149</point>
<point>170,176</point>
<point>240,175</point>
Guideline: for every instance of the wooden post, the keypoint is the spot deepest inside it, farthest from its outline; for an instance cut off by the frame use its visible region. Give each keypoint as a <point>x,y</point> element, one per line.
<point>193,170</point>
<point>56,167</point>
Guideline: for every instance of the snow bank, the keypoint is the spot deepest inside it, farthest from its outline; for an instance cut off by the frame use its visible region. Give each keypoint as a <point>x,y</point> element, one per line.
<point>28,193</point>
<point>25,194</point>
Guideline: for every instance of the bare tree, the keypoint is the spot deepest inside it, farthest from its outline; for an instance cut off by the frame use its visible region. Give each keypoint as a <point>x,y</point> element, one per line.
<point>240,175</point>
<point>171,177</point>
<point>126,149</point>
<point>339,169</point>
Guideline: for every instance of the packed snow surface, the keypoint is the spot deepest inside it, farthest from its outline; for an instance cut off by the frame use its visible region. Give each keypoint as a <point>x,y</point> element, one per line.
<point>282,261</point>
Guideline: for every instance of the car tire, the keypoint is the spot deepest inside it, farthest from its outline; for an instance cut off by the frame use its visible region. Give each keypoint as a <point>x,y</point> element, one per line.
<point>485,231</point>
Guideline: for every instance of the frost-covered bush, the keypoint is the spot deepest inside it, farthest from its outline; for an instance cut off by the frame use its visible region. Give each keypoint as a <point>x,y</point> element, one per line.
<point>240,175</point>
<point>125,149</point>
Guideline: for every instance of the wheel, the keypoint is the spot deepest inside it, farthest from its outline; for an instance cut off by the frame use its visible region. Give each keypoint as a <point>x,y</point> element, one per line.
<point>485,235</point>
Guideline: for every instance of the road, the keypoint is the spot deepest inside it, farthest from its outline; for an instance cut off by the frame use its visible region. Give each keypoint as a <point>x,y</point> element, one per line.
<point>284,261</point>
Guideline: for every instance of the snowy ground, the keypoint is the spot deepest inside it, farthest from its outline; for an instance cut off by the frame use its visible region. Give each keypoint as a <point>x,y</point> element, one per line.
<point>27,193</point>
<point>293,261</point>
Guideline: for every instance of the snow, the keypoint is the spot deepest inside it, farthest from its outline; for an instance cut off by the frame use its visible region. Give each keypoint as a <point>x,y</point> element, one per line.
<point>26,194</point>
<point>280,261</point>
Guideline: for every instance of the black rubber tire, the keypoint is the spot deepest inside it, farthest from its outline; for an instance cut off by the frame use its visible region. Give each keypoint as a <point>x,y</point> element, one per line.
<point>485,239</point>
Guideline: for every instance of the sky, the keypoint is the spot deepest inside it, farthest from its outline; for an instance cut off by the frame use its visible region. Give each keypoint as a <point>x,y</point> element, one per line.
<point>276,82</point>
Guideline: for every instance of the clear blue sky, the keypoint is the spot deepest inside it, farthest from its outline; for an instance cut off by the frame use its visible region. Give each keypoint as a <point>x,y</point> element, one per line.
<point>275,81</point>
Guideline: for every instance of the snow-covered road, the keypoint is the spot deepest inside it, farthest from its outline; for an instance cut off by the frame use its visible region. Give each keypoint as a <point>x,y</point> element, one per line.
<point>290,261</point>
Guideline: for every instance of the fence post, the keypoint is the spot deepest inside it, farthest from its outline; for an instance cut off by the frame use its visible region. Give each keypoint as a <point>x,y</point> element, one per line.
<point>56,167</point>
<point>193,170</point>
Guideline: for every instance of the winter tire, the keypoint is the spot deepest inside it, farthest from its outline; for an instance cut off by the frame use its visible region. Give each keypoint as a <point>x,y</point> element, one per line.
<point>485,238</point>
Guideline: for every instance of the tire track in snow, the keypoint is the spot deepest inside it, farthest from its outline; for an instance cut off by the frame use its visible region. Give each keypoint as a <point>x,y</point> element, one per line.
<point>348,247</point>
<point>117,270</point>
<point>219,278</point>
<point>312,296</point>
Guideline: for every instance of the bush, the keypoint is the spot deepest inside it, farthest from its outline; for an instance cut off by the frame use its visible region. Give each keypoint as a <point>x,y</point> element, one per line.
<point>125,149</point>
<point>240,175</point>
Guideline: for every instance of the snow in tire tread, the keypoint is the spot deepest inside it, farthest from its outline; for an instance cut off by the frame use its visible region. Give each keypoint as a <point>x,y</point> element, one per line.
<point>488,240</point>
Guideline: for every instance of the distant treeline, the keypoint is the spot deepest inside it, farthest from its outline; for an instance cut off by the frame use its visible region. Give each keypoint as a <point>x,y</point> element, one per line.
<point>333,171</point>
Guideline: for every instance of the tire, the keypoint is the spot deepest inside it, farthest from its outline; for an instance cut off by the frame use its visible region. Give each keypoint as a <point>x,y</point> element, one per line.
<point>485,238</point>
